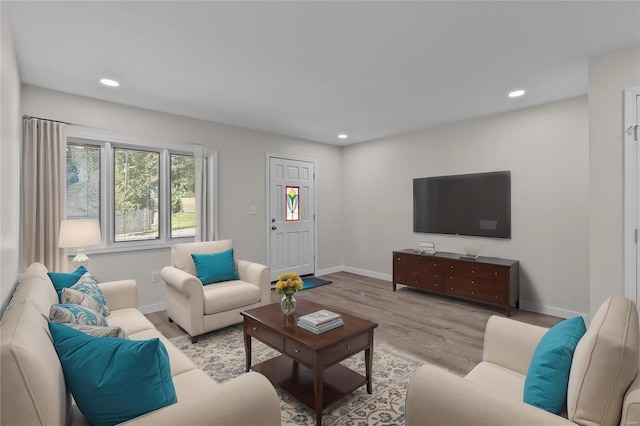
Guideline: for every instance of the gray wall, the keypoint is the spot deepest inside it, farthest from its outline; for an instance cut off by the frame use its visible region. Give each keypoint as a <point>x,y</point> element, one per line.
<point>547,150</point>
<point>609,75</point>
<point>11,130</point>
<point>242,174</point>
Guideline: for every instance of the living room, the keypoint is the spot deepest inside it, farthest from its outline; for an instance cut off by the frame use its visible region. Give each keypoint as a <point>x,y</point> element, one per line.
<point>565,157</point>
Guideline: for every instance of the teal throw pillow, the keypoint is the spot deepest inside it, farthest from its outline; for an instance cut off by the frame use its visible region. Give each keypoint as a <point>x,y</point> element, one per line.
<point>62,280</point>
<point>548,376</point>
<point>113,380</point>
<point>88,285</point>
<point>215,267</point>
<point>76,314</point>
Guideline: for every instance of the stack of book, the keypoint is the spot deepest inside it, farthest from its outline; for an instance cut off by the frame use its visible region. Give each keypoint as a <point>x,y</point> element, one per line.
<point>320,321</point>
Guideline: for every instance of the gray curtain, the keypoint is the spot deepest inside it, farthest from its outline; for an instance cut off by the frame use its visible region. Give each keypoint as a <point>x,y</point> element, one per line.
<point>43,192</point>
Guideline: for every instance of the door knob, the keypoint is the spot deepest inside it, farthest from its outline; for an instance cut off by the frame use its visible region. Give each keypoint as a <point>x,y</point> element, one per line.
<point>274,227</point>
<point>273,219</point>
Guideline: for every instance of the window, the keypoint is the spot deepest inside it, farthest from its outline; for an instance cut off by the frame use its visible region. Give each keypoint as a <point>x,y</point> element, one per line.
<point>143,196</point>
<point>83,182</point>
<point>183,198</point>
<point>136,189</point>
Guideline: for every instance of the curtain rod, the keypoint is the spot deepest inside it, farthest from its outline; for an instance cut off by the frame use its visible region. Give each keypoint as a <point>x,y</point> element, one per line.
<point>40,118</point>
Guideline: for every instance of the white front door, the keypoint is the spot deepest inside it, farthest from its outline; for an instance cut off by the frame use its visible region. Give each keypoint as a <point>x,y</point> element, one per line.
<point>291,216</point>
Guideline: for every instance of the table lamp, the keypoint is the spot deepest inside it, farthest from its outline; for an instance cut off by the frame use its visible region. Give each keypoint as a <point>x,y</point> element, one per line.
<point>79,233</point>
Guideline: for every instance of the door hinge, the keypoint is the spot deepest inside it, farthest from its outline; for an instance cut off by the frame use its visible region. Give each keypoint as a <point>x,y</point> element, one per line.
<point>635,133</point>
<point>635,236</point>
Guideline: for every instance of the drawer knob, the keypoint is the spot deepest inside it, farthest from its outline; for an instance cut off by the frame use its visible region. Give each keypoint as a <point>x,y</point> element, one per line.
<point>473,272</point>
<point>473,292</point>
<point>435,265</point>
<point>415,261</point>
<point>451,288</point>
<point>435,285</point>
<point>473,282</point>
<point>495,297</point>
<point>297,351</point>
<point>451,266</point>
<point>348,347</point>
<point>495,273</point>
<point>253,328</point>
<point>398,259</point>
<point>436,275</point>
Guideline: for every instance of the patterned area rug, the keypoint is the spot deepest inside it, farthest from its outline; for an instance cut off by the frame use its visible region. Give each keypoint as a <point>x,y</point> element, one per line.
<point>221,354</point>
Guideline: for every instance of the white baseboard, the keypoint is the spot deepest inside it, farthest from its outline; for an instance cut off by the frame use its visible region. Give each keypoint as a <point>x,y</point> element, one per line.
<point>156,307</point>
<point>327,271</point>
<point>556,312</point>
<point>366,273</point>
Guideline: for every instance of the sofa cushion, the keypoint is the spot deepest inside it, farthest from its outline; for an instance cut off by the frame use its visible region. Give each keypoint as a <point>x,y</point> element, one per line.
<point>546,383</point>
<point>70,296</point>
<point>62,280</point>
<point>180,363</point>
<point>604,364</point>
<point>128,378</point>
<point>181,253</point>
<point>229,295</point>
<point>75,314</point>
<point>100,331</point>
<point>215,267</point>
<point>88,285</point>
<point>498,379</point>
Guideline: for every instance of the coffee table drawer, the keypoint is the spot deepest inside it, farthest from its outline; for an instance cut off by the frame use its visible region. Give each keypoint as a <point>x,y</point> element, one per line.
<point>261,332</point>
<point>298,352</point>
<point>344,350</point>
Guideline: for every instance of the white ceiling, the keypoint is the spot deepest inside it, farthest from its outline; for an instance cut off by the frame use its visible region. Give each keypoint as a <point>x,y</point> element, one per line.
<point>314,69</point>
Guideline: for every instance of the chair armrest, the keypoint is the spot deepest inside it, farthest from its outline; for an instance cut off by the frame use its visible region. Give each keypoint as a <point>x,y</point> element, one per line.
<point>510,343</point>
<point>440,398</point>
<point>182,281</point>
<point>631,404</point>
<point>249,399</point>
<point>120,294</point>
<point>256,274</point>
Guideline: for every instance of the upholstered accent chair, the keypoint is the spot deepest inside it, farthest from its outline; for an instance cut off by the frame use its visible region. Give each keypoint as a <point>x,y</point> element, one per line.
<point>603,386</point>
<point>199,308</point>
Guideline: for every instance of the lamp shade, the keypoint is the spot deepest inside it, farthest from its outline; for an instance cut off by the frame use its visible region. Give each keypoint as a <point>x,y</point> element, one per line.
<point>79,233</point>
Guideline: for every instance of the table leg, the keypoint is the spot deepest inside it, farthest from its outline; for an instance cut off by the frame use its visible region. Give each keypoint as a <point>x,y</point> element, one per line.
<point>368,362</point>
<point>318,386</point>
<point>247,350</point>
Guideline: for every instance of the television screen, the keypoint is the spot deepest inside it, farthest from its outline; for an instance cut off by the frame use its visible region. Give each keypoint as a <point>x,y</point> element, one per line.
<point>476,204</point>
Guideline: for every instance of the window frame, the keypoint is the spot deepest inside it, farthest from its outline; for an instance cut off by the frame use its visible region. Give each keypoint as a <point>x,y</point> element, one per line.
<point>107,146</point>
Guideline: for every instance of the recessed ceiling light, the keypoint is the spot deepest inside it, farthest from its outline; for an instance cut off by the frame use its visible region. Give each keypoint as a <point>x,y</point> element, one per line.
<point>516,93</point>
<point>343,136</point>
<point>109,82</point>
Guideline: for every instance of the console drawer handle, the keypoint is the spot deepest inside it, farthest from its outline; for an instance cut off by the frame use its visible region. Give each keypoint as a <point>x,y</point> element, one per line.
<point>253,328</point>
<point>297,351</point>
<point>348,347</point>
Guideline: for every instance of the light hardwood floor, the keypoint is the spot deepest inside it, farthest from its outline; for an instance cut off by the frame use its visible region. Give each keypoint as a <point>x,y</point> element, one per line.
<point>437,329</point>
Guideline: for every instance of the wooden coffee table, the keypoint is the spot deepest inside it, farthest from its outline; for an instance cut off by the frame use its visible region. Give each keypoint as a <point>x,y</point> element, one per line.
<point>309,368</point>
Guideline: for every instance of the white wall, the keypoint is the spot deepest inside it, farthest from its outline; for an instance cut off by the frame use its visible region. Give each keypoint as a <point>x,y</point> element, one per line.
<point>11,131</point>
<point>242,163</point>
<point>547,150</point>
<point>609,75</point>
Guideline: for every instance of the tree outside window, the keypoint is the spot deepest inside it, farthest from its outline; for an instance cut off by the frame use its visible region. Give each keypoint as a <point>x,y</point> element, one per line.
<point>183,201</point>
<point>83,182</point>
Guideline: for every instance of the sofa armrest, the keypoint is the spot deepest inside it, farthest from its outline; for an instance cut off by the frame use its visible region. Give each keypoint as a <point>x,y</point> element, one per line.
<point>249,399</point>
<point>631,404</point>
<point>440,398</point>
<point>120,294</point>
<point>256,274</point>
<point>510,343</point>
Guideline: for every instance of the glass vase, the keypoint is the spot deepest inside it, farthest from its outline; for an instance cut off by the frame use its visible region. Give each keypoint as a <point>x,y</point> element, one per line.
<point>288,304</point>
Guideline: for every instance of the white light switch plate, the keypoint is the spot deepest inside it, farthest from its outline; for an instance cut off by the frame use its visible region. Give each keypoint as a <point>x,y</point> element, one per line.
<point>253,209</point>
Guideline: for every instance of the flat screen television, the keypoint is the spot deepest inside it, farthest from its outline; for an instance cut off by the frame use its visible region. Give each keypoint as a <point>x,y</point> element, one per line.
<point>476,204</point>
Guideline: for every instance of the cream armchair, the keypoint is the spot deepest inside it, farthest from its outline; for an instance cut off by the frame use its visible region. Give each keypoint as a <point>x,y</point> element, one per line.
<point>199,309</point>
<point>603,387</point>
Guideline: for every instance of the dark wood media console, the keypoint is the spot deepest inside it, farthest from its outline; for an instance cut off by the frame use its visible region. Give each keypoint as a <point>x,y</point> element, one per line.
<point>489,280</point>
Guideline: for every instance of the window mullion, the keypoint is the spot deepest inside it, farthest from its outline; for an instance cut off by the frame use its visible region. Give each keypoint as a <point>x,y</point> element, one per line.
<point>108,194</point>
<point>165,196</point>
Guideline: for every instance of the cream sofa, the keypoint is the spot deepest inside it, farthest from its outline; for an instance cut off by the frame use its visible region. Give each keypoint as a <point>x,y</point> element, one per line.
<point>603,387</point>
<point>199,309</point>
<point>32,385</point>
